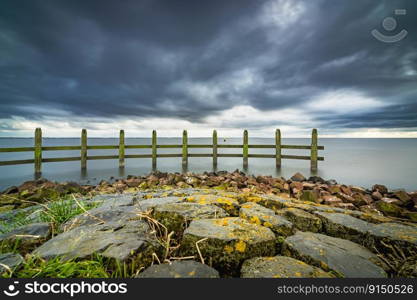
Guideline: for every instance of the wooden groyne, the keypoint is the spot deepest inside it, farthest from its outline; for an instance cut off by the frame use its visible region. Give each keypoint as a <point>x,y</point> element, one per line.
<point>38,150</point>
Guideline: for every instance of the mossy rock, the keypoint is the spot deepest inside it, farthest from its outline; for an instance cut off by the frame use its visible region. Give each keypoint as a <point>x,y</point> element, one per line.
<point>230,205</point>
<point>176,216</point>
<point>301,219</point>
<point>280,267</point>
<point>225,243</point>
<point>341,257</point>
<point>389,209</point>
<point>179,269</point>
<point>257,214</point>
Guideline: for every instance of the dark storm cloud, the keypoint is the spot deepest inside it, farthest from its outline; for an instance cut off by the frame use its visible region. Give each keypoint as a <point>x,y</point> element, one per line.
<point>193,59</point>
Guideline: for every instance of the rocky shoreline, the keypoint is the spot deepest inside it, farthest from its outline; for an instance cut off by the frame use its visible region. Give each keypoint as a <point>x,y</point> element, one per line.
<point>211,225</point>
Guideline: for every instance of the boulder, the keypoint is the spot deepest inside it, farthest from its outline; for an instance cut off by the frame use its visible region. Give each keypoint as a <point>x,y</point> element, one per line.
<point>118,234</point>
<point>26,237</point>
<point>331,200</point>
<point>341,257</point>
<point>10,261</point>
<point>376,195</point>
<point>176,216</point>
<point>147,204</point>
<point>179,269</point>
<point>316,179</point>
<point>298,177</point>
<point>380,188</point>
<point>388,208</point>
<point>260,215</point>
<point>368,234</point>
<point>301,219</point>
<point>310,195</point>
<point>280,267</point>
<point>225,243</point>
<point>230,205</point>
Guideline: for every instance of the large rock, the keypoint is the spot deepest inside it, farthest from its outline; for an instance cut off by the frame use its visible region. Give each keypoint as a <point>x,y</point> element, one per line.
<point>280,267</point>
<point>342,257</point>
<point>301,219</point>
<point>226,243</point>
<point>10,261</point>
<point>228,204</point>
<point>260,215</point>
<point>344,226</point>
<point>26,237</point>
<point>180,269</point>
<point>176,216</point>
<point>393,234</point>
<point>118,234</point>
<point>298,177</point>
<point>369,234</point>
<point>147,204</point>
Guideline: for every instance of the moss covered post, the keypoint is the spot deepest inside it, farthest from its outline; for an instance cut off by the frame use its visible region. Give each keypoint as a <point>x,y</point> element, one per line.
<point>84,149</point>
<point>154,154</point>
<point>278,148</point>
<point>214,148</point>
<point>184,148</point>
<point>245,148</point>
<point>314,152</point>
<point>122,149</point>
<point>38,151</point>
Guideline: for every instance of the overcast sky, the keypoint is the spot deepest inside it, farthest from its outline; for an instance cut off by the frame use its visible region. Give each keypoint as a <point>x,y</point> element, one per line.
<point>202,65</point>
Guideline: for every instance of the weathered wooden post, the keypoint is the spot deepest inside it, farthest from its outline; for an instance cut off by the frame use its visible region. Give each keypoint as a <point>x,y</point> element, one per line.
<point>154,149</point>
<point>278,148</point>
<point>245,148</point>
<point>314,152</point>
<point>84,149</point>
<point>122,149</point>
<point>214,148</point>
<point>38,151</point>
<point>184,148</point>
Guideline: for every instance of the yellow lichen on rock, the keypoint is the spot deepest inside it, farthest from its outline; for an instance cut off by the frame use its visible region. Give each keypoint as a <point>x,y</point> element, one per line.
<point>240,246</point>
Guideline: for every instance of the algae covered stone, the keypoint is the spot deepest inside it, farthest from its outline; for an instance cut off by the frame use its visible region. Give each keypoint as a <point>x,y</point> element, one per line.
<point>342,257</point>
<point>226,243</point>
<point>179,269</point>
<point>280,267</point>
<point>230,205</point>
<point>301,219</point>
<point>146,204</point>
<point>175,216</point>
<point>260,215</point>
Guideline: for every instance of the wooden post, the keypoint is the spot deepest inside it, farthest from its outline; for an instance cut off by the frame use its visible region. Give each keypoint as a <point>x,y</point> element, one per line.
<point>314,151</point>
<point>214,148</point>
<point>38,151</point>
<point>154,149</point>
<point>184,148</point>
<point>122,149</point>
<point>278,148</point>
<point>84,149</point>
<point>245,148</point>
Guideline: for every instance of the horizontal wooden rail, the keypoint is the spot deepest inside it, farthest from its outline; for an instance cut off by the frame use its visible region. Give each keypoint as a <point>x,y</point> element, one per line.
<point>185,146</point>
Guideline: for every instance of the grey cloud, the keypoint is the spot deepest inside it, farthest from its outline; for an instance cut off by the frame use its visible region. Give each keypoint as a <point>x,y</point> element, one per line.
<point>111,59</point>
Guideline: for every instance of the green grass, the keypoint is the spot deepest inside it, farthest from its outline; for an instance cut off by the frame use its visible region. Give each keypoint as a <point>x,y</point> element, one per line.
<point>60,211</point>
<point>18,220</point>
<point>96,267</point>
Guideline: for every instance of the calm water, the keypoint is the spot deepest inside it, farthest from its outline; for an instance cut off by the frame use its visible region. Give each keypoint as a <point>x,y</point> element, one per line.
<point>363,162</point>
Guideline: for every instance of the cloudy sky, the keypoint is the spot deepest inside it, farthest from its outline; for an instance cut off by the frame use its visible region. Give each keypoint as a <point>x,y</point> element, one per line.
<point>202,65</point>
